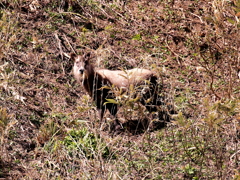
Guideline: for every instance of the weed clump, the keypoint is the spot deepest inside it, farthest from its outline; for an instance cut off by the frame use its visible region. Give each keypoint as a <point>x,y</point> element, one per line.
<point>85,144</point>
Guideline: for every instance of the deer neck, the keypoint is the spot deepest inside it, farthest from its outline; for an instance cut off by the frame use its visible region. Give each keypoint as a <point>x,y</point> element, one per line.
<point>89,80</point>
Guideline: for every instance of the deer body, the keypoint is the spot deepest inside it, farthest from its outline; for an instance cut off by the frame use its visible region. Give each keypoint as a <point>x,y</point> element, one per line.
<point>122,79</point>
<point>94,81</point>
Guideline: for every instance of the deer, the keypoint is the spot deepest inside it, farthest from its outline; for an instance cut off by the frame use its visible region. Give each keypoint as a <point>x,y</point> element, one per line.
<point>95,82</point>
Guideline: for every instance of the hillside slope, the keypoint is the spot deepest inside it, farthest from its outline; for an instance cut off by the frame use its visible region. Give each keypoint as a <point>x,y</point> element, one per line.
<point>48,125</point>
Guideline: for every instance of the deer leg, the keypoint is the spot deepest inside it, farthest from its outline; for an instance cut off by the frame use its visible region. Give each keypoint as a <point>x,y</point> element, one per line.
<point>151,108</point>
<point>116,125</point>
<point>112,109</point>
<point>101,111</point>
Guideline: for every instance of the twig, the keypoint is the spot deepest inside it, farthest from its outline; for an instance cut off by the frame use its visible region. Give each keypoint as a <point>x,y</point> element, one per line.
<point>69,43</point>
<point>60,48</point>
<point>177,55</point>
<point>65,54</point>
<point>59,45</point>
<point>77,14</point>
<point>34,67</point>
<point>235,154</point>
<point>198,17</point>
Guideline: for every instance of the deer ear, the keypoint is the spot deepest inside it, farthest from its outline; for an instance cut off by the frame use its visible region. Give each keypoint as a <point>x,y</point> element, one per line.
<point>87,56</point>
<point>73,56</point>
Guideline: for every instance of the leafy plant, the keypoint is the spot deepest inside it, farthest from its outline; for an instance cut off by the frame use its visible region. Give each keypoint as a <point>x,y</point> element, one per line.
<point>85,144</point>
<point>48,130</point>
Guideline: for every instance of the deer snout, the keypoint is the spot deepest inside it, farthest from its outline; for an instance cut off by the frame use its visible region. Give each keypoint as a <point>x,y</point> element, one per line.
<point>81,71</point>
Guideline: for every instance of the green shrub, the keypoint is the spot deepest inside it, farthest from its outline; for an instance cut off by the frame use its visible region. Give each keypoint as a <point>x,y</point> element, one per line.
<point>85,143</point>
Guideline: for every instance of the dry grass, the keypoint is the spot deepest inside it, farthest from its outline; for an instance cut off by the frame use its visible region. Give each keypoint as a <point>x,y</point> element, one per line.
<point>49,128</point>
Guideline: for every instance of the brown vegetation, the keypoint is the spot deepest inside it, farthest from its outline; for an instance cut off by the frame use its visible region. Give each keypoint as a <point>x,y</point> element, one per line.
<point>48,126</point>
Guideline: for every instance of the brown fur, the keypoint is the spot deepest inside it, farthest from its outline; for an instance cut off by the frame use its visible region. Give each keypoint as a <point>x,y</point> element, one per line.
<point>94,79</point>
